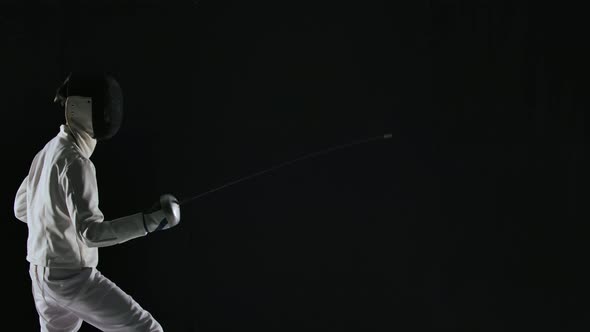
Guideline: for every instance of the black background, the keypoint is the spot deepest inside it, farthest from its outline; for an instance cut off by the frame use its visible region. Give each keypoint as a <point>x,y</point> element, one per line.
<point>469,219</point>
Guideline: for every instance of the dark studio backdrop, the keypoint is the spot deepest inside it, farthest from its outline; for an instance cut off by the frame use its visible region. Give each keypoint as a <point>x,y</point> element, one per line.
<point>468,219</point>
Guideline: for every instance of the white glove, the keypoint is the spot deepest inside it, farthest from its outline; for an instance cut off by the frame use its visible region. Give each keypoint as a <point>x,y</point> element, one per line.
<point>163,215</point>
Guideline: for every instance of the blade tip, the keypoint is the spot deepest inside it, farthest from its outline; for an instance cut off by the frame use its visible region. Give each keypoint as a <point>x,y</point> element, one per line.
<point>387,136</point>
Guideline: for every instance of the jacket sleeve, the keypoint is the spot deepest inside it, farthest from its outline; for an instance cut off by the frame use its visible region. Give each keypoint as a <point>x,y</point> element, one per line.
<point>20,201</point>
<point>81,190</point>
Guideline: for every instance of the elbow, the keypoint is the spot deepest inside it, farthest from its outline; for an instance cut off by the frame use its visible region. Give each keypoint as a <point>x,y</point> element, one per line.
<point>91,244</point>
<point>90,239</point>
<point>94,236</point>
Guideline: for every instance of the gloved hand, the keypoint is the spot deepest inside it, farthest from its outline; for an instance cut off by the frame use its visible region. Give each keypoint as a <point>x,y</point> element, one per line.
<point>163,215</point>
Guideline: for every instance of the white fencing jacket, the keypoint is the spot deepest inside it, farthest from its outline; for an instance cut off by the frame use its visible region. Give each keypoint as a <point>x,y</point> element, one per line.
<point>59,202</point>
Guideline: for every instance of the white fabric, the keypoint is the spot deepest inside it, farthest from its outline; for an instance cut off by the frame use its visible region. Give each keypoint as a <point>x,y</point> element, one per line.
<point>59,202</point>
<point>153,220</point>
<point>79,120</point>
<point>66,297</point>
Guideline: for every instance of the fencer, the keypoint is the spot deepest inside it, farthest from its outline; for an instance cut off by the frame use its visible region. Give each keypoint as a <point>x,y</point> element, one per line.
<point>59,202</point>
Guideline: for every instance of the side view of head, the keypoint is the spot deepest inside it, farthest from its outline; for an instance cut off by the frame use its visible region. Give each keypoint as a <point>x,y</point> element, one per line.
<point>93,102</point>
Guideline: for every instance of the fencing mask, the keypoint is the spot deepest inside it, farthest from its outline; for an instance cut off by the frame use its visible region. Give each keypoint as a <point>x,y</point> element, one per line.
<point>94,102</point>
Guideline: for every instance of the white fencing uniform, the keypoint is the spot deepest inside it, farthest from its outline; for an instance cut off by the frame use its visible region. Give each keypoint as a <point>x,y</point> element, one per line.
<point>59,202</point>
<point>64,298</point>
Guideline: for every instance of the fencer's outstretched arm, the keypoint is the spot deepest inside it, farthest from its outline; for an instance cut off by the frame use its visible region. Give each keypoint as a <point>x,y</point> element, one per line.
<point>20,202</point>
<point>80,186</point>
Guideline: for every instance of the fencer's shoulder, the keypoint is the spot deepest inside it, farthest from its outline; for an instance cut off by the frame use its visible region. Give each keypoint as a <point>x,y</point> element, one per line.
<point>70,156</point>
<point>78,167</point>
<point>78,161</point>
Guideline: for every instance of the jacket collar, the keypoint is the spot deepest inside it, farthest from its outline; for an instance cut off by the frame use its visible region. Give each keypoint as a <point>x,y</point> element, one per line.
<point>81,139</point>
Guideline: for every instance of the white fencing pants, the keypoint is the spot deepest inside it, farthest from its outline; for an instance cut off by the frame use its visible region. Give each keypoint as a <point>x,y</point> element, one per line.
<point>64,298</point>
